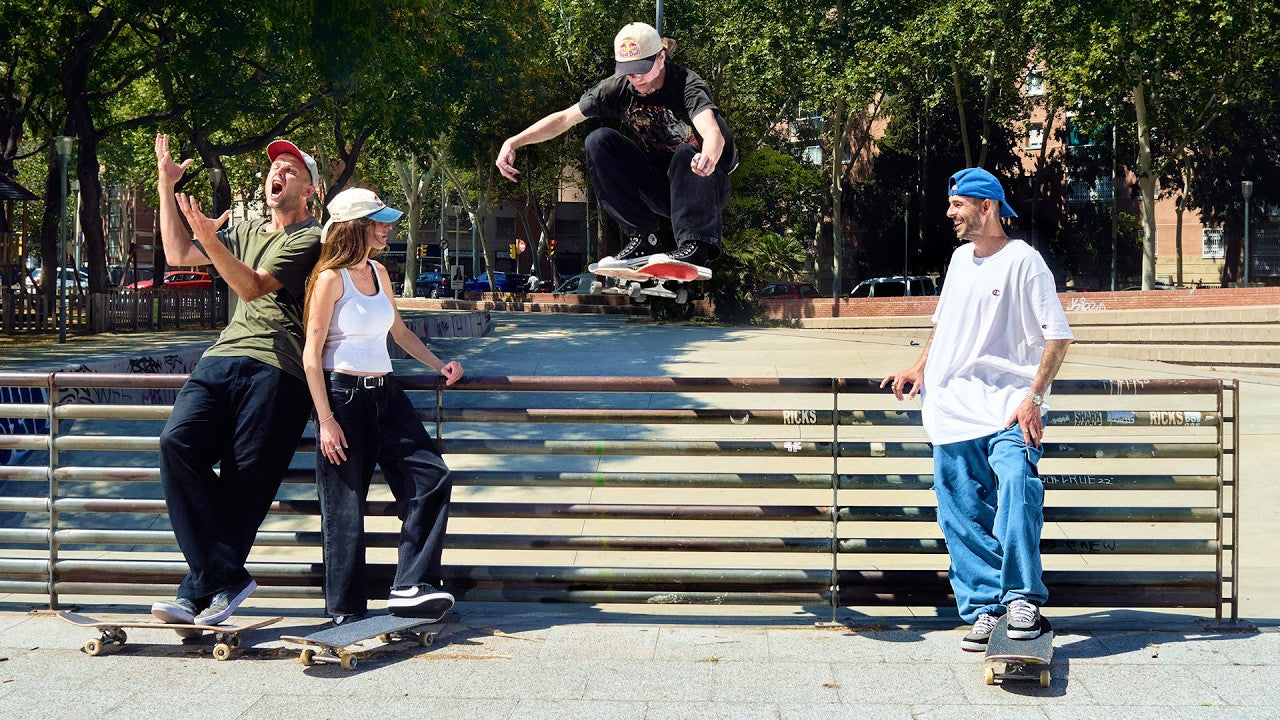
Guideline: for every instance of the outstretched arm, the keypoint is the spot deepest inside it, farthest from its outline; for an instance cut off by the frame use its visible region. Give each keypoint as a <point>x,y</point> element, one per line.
<point>412,344</point>
<point>178,248</point>
<point>248,283</point>
<point>704,163</point>
<point>551,126</point>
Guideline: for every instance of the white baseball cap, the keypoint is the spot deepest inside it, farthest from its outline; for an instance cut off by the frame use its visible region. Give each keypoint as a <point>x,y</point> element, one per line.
<point>636,48</point>
<point>280,147</point>
<point>356,203</point>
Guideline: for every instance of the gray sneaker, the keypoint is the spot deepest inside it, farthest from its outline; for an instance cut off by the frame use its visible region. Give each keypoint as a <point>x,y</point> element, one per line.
<point>179,611</point>
<point>977,639</point>
<point>225,603</point>
<point>1024,620</point>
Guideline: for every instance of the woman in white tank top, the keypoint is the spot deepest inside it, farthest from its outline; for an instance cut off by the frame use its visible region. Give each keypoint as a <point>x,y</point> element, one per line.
<point>365,418</point>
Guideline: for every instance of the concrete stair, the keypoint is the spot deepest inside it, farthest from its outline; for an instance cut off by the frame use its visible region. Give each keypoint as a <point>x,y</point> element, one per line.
<point>1220,337</point>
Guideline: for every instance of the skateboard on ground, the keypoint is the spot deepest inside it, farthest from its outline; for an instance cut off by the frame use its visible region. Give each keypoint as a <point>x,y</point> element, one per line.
<point>656,275</point>
<point>1019,659</point>
<point>341,644</point>
<point>227,637</point>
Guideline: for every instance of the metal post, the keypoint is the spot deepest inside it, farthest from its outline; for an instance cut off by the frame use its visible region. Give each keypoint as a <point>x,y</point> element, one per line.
<point>657,18</point>
<point>1246,189</point>
<point>64,156</point>
<point>906,240</point>
<point>216,176</point>
<point>51,390</point>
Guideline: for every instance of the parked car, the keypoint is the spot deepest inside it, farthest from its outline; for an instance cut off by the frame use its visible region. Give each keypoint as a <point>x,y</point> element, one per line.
<point>431,284</point>
<point>788,290</point>
<point>1157,286</point>
<point>895,286</point>
<point>505,281</point>
<point>68,278</point>
<point>178,280</point>
<point>581,284</point>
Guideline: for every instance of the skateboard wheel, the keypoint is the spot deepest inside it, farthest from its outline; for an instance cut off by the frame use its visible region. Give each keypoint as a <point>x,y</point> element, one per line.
<point>426,638</point>
<point>308,657</point>
<point>682,296</point>
<point>234,642</point>
<point>222,651</point>
<point>349,662</point>
<point>991,676</point>
<point>1044,678</point>
<point>119,637</point>
<point>93,647</point>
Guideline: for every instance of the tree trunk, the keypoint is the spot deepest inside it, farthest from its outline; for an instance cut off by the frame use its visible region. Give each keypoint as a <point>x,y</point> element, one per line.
<point>49,227</point>
<point>964,125</point>
<point>837,191</point>
<point>1147,184</point>
<point>988,91</point>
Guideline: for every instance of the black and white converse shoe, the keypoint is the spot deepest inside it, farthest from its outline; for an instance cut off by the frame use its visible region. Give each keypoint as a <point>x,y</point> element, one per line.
<point>695,253</point>
<point>641,246</point>
<point>420,601</point>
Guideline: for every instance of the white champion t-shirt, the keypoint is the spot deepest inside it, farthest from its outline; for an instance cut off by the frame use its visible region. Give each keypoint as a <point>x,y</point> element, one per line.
<point>991,324</point>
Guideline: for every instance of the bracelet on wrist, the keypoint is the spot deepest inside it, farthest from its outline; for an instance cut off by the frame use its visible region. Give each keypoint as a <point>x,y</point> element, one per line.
<point>326,419</point>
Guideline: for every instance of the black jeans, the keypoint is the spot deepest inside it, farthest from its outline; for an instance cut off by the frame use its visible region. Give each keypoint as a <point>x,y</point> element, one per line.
<point>635,187</point>
<point>381,428</point>
<point>248,416</point>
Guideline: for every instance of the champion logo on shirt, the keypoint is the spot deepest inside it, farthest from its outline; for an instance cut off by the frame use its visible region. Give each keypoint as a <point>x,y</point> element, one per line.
<point>996,292</point>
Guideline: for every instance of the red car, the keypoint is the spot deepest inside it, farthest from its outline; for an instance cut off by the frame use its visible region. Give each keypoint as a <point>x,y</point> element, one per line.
<point>179,280</point>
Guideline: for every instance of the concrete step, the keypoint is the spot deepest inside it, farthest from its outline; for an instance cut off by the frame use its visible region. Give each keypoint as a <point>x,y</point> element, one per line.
<point>1214,355</point>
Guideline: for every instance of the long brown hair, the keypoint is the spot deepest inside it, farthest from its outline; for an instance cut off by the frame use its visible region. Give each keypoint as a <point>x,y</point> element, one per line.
<point>343,246</point>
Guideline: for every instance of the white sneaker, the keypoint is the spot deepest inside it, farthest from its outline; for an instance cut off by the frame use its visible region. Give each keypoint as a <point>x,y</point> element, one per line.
<point>420,601</point>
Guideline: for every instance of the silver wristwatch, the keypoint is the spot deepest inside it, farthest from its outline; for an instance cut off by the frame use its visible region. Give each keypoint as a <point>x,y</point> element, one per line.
<point>1036,399</point>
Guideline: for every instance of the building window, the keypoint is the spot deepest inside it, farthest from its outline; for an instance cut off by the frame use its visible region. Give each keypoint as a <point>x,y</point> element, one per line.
<point>1035,82</point>
<point>1035,137</point>
<point>1211,239</point>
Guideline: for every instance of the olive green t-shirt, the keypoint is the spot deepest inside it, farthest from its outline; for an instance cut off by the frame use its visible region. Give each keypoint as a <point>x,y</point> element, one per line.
<point>269,329</point>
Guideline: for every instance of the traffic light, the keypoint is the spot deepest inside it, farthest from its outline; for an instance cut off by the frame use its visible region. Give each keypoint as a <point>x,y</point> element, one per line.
<point>422,251</point>
<point>512,248</point>
<point>551,247</point>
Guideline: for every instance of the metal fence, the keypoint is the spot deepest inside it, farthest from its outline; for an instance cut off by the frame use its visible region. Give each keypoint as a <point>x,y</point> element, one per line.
<point>23,310</point>
<point>811,491</point>
<point>115,311</point>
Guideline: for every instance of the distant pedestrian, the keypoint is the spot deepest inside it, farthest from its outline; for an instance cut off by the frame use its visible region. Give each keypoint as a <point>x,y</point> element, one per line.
<point>534,283</point>
<point>244,407</point>
<point>999,337</point>
<point>365,418</point>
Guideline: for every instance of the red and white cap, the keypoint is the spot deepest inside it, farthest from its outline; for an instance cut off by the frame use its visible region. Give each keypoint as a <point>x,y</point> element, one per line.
<point>280,147</point>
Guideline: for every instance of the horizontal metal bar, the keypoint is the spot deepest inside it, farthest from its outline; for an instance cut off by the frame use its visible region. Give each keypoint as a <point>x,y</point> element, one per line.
<point>1129,482</point>
<point>636,447</point>
<point>24,567</point>
<point>88,411</point>
<point>21,473</point>
<point>25,412</point>
<point>123,443</point>
<point>144,381</point>
<point>608,384</point>
<point>587,511</point>
<point>929,513</point>
<point>18,587</point>
<point>1087,546</point>
<point>1132,418</point>
<point>1129,387</point>
<point>1053,578</point>
<point>25,379</point>
<point>486,478</point>
<point>24,442</point>
<point>468,541</point>
<point>27,536</point>
<point>639,597</point>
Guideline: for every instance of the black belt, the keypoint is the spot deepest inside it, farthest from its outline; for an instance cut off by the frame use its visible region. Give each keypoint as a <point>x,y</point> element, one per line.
<point>343,381</point>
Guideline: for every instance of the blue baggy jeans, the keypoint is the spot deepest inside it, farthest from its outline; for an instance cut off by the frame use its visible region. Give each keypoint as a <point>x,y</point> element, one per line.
<point>991,511</point>
<point>246,416</point>
<point>381,428</point>
<point>635,188</point>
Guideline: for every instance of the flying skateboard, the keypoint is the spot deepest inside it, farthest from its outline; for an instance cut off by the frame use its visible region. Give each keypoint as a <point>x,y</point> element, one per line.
<point>341,644</point>
<point>655,275</point>
<point>1019,659</point>
<point>227,637</point>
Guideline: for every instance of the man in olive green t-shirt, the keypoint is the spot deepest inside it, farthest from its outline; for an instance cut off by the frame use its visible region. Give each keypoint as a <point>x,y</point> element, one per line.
<point>246,403</point>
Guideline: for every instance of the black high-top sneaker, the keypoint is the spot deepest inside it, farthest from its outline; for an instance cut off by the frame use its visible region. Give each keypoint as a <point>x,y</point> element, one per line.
<point>637,247</point>
<point>695,253</point>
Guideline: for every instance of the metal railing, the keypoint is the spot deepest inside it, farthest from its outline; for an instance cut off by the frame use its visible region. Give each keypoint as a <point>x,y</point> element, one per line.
<point>807,491</point>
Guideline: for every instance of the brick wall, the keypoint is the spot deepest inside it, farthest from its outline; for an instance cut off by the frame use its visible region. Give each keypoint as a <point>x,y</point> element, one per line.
<point>1073,302</point>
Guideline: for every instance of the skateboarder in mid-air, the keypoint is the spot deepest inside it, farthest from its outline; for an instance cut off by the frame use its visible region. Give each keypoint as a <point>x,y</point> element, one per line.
<point>681,172</point>
<point>999,338</point>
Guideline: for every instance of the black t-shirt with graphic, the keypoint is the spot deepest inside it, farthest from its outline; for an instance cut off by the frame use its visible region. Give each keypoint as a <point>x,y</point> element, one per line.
<point>663,119</point>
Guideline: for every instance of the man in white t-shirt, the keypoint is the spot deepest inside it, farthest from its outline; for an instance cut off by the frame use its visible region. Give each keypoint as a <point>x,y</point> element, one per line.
<point>999,338</point>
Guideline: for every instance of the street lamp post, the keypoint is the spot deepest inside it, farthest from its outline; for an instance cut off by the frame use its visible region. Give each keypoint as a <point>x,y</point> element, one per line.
<point>1246,190</point>
<point>63,144</point>
<point>216,176</point>
<point>906,240</point>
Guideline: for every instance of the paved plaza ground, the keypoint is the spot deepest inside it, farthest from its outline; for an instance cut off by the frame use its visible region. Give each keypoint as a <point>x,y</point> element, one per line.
<point>496,660</point>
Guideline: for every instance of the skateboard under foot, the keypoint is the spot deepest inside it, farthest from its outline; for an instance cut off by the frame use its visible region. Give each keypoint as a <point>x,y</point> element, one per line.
<point>342,644</point>
<point>1026,660</point>
<point>112,632</point>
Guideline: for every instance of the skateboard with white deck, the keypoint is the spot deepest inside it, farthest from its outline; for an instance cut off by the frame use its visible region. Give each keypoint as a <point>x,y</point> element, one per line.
<point>655,276</point>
